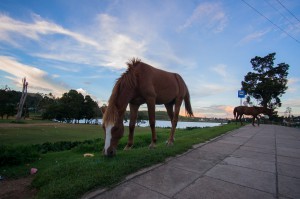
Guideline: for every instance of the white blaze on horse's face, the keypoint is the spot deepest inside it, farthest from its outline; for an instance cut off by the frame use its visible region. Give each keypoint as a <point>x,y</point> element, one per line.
<point>107,138</point>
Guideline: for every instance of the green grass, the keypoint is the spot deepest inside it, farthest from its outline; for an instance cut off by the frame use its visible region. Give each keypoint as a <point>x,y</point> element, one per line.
<point>27,134</point>
<point>68,174</point>
<point>27,121</point>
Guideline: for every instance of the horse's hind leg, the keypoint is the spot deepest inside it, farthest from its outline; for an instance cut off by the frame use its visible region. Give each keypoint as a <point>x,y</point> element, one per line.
<point>174,121</point>
<point>133,117</point>
<point>170,112</point>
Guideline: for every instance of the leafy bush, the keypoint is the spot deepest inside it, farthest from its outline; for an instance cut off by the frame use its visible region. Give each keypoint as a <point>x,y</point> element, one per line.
<point>20,154</point>
<point>15,155</point>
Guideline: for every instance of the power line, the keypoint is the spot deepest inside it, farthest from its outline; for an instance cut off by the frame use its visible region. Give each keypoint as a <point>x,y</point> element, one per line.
<point>288,10</point>
<point>271,21</point>
<point>279,12</point>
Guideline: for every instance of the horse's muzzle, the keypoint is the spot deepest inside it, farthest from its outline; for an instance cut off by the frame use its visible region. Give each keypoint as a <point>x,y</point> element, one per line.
<point>110,152</point>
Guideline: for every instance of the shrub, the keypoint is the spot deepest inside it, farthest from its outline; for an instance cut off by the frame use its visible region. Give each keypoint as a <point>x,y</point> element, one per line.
<point>15,155</point>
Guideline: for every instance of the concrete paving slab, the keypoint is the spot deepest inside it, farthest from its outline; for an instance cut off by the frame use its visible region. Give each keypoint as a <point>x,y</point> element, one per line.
<point>244,133</point>
<point>265,141</point>
<point>259,150</point>
<point>200,154</point>
<point>288,152</point>
<point>190,164</point>
<point>288,170</point>
<point>222,148</point>
<point>251,178</point>
<point>234,140</point>
<point>211,188</point>
<point>166,180</point>
<point>287,136</point>
<point>288,187</point>
<point>288,143</point>
<point>250,163</point>
<point>131,190</point>
<point>260,145</point>
<point>254,155</point>
<point>288,160</point>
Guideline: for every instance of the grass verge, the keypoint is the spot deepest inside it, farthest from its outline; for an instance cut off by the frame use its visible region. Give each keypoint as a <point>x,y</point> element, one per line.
<point>76,176</point>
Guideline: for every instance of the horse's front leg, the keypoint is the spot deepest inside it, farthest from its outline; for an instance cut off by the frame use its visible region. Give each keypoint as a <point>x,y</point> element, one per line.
<point>236,118</point>
<point>151,114</point>
<point>240,118</point>
<point>133,116</point>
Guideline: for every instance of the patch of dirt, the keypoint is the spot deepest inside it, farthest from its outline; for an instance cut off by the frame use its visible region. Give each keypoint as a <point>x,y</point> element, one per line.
<point>17,188</point>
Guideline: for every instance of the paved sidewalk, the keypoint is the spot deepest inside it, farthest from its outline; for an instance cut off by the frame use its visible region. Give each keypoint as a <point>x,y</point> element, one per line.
<point>251,162</point>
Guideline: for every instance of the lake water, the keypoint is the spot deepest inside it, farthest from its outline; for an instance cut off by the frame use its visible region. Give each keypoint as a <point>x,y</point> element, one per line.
<point>165,124</point>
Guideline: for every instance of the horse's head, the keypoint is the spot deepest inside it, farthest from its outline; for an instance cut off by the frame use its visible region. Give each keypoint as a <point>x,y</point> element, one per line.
<point>113,133</point>
<point>114,130</point>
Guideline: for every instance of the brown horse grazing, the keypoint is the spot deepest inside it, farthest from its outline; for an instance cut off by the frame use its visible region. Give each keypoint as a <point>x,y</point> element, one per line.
<point>140,84</point>
<point>239,111</point>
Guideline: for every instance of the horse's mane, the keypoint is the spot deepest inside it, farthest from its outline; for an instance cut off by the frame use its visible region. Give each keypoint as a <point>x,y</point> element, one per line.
<point>126,81</point>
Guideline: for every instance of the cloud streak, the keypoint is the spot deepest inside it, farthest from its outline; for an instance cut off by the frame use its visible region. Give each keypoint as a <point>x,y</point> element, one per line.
<point>35,30</point>
<point>255,36</point>
<point>209,16</point>
<point>38,79</point>
<point>220,69</point>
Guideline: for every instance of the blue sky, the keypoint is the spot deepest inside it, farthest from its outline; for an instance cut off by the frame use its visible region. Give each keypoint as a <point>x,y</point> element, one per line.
<point>61,45</point>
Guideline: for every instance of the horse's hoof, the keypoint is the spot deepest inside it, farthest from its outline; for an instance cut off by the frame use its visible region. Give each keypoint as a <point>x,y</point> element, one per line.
<point>169,143</point>
<point>127,148</point>
<point>152,146</point>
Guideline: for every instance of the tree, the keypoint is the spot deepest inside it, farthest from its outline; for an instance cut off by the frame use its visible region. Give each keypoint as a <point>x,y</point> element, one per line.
<point>267,83</point>
<point>8,102</point>
<point>89,108</point>
<point>73,105</point>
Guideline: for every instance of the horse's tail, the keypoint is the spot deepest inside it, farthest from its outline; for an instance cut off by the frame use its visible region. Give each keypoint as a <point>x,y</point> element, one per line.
<point>187,104</point>
<point>187,101</point>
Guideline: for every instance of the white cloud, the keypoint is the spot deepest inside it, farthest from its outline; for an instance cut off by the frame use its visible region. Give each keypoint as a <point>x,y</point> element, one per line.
<point>38,79</point>
<point>207,15</point>
<point>220,69</point>
<point>107,42</point>
<point>82,91</point>
<point>255,36</point>
<point>293,85</point>
<point>106,46</point>
<point>35,30</point>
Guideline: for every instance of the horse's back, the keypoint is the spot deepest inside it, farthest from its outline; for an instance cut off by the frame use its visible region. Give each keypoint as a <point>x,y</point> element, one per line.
<point>164,85</point>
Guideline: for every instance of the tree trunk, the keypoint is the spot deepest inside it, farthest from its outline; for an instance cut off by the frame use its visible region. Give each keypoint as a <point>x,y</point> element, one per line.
<point>22,100</point>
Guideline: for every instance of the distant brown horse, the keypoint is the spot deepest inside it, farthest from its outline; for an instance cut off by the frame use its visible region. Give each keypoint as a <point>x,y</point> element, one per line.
<point>239,111</point>
<point>140,84</point>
